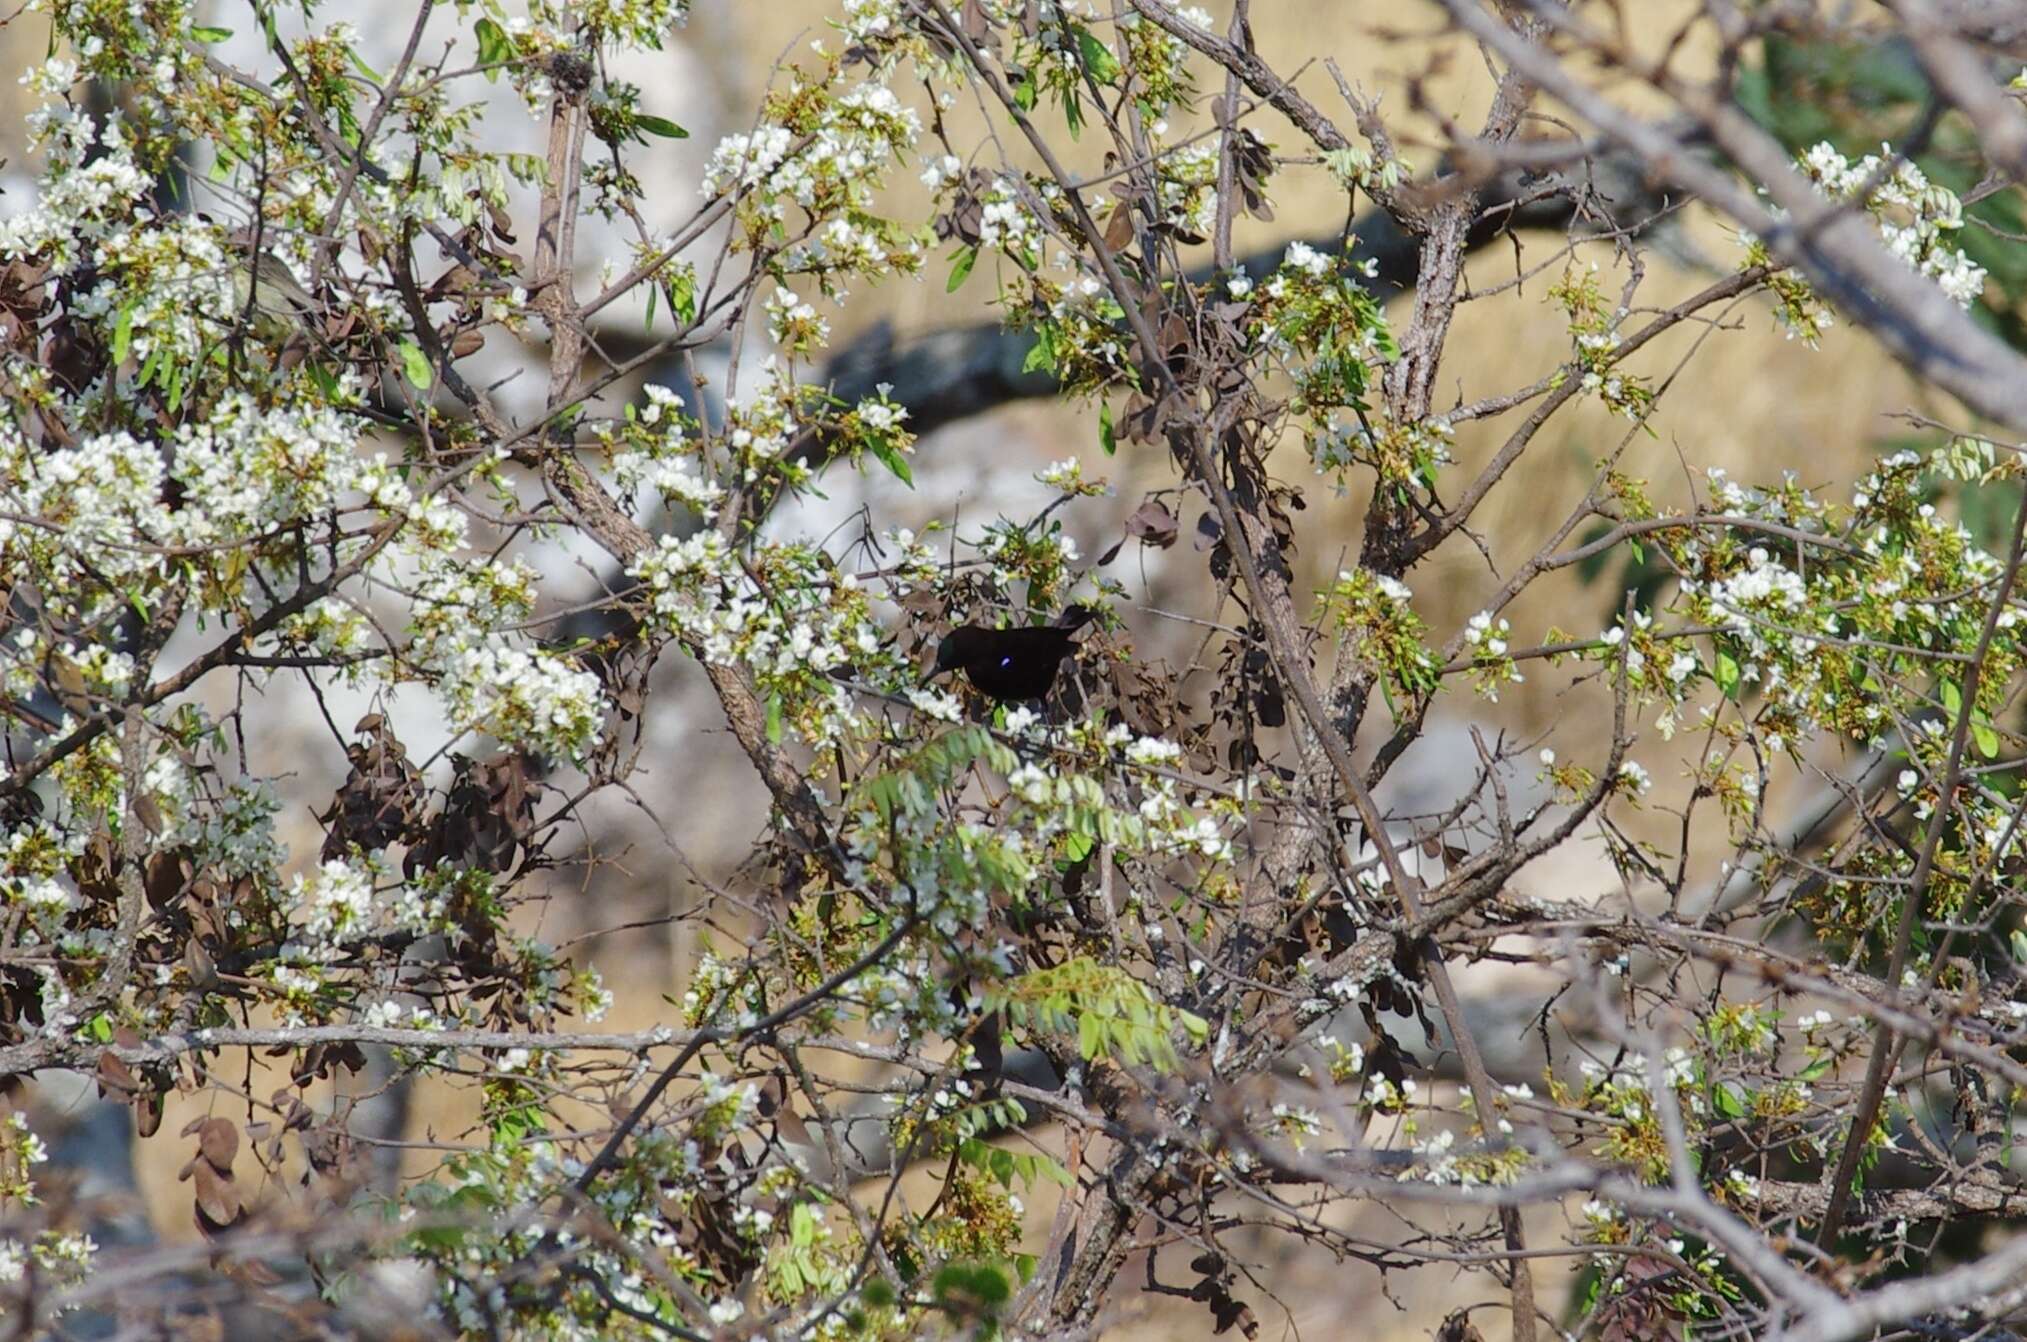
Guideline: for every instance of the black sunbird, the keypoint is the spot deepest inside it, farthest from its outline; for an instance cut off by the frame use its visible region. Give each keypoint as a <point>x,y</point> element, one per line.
<point>1011,665</point>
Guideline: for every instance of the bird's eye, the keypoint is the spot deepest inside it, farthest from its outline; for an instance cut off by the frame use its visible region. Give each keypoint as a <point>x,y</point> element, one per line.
<point>1005,662</point>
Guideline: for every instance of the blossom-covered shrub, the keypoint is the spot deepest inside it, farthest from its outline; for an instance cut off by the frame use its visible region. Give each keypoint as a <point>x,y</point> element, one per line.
<point>1090,963</point>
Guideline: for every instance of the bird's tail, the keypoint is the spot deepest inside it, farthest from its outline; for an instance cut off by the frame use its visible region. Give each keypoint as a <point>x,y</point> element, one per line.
<point>1075,617</point>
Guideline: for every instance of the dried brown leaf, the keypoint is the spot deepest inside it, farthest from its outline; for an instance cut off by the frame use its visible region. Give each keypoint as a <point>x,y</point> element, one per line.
<point>116,1079</point>
<point>1119,228</point>
<point>217,1199</point>
<point>1153,524</point>
<point>218,1141</point>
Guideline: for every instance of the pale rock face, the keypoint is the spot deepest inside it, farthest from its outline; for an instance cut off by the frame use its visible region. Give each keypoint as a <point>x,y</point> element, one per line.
<point>686,83</point>
<point>1436,772</point>
<point>682,82</point>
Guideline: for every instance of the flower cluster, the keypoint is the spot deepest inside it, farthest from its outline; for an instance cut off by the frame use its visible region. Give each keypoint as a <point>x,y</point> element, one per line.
<point>1492,666</point>
<point>823,150</point>
<point>1915,215</point>
<point>1323,328</point>
<point>525,698</point>
<point>58,1257</point>
<point>1594,328</point>
<point>654,447</point>
<point>1381,628</point>
<point>1916,218</point>
<point>786,614</point>
<point>1360,167</point>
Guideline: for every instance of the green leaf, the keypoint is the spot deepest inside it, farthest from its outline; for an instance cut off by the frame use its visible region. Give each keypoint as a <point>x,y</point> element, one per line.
<point>494,48</point>
<point>662,126</point>
<point>1727,675</point>
<point>1106,438</point>
<point>974,1153</point>
<point>123,334</point>
<point>326,381</point>
<point>960,269</point>
<point>1043,356</point>
<point>1024,94</point>
<point>1077,847</point>
<point>206,34</point>
<point>416,365</point>
<point>1726,1102</point>
<point>891,458</point>
<point>1953,698</point>
<point>977,1286</point>
<point>683,295</point>
<point>358,63</point>
<point>774,719</point>
<point>1987,739</point>
<point>439,1237</point>
<point>2018,941</point>
<point>1098,57</point>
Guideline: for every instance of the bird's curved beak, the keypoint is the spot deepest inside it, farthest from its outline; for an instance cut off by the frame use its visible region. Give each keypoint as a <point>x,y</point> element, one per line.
<point>935,671</point>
